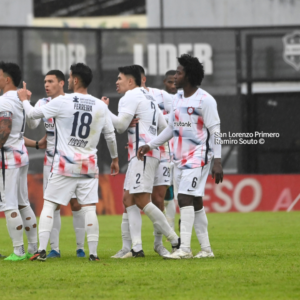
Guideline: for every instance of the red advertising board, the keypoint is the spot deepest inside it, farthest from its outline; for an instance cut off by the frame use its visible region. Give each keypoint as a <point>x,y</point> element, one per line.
<point>237,193</point>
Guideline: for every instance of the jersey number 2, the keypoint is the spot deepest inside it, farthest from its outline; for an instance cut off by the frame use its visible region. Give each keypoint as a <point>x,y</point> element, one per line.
<point>85,120</point>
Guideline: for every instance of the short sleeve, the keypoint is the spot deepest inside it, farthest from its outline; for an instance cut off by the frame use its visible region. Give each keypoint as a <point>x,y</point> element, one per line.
<point>129,103</point>
<point>5,105</point>
<point>210,111</point>
<point>53,108</point>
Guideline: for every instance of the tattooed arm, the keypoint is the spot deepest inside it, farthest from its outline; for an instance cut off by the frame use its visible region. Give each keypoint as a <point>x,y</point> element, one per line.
<point>5,126</point>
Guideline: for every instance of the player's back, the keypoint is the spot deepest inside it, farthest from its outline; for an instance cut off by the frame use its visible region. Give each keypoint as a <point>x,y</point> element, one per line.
<point>15,151</point>
<point>79,121</point>
<point>140,103</point>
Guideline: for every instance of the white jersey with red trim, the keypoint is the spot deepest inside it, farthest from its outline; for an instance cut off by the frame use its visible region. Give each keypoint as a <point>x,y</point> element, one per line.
<point>79,120</point>
<point>191,117</point>
<point>138,102</point>
<point>164,101</point>
<point>14,150</point>
<point>50,131</point>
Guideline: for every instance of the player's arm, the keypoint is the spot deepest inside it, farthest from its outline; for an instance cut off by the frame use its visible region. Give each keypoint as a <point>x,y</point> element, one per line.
<point>41,144</point>
<point>5,126</point>
<point>212,122</point>
<point>51,110</point>
<point>110,137</point>
<point>121,122</point>
<point>32,124</point>
<point>163,137</point>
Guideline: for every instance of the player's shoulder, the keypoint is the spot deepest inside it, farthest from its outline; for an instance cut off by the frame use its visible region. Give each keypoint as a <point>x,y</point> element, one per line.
<point>204,96</point>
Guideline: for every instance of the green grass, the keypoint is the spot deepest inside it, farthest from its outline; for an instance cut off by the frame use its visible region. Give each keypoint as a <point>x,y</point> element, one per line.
<point>257,257</point>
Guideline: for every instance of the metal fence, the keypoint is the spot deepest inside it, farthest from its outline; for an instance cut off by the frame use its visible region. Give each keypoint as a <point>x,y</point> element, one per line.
<point>253,73</point>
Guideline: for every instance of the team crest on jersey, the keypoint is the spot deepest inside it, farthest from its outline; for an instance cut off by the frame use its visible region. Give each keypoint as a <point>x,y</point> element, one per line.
<point>190,110</point>
<point>75,99</point>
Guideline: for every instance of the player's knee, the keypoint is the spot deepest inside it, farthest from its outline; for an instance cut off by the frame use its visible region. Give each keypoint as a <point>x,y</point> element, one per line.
<point>185,200</point>
<point>198,203</point>
<point>75,206</point>
<point>19,227</point>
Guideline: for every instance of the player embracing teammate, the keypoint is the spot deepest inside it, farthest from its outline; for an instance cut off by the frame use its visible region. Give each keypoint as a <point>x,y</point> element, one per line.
<point>193,120</point>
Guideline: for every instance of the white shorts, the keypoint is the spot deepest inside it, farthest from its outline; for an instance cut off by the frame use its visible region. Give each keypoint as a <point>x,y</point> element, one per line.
<point>163,174</point>
<point>14,191</point>
<point>47,171</point>
<point>140,175</point>
<point>191,181</point>
<point>60,189</point>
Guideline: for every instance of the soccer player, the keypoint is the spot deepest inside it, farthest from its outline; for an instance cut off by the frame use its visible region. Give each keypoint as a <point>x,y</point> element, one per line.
<point>54,86</point>
<point>14,164</point>
<point>170,206</point>
<point>139,178</point>
<point>162,179</point>
<point>79,120</point>
<point>169,82</point>
<point>193,120</point>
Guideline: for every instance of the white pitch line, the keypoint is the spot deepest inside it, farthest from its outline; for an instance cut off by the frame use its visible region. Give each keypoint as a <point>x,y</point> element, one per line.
<point>293,204</point>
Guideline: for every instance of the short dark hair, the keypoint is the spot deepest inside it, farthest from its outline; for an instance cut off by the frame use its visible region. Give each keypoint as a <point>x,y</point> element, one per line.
<point>170,73</point>
<point>142,70</point>
<point>133,71</point>
<point>83,72</point>
<point>194,70</point>
<point>13,71</point>
<point>59,74</point>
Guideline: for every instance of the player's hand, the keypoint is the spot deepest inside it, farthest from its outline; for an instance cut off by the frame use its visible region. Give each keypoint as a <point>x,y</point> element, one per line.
<point>105,100</point>
<point>134,122</point>
<point>43,142</point>
<point>142,151</point>
<point>217,171</point>
<point>114,167</point>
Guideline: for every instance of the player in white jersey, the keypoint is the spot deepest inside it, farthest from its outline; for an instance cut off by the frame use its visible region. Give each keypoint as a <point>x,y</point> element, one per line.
<point>54,86</point>
<point>14,165</point>
<point>170,206</point>
<point>79,120</point>
<point>193,120</point>
<point>139,178</point>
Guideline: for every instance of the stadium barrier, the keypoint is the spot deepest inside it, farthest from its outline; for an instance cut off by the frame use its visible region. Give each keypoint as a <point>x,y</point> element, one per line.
<point>237,193</point>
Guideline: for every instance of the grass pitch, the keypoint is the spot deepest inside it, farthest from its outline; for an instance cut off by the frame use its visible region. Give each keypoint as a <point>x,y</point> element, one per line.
<point>257,257</point>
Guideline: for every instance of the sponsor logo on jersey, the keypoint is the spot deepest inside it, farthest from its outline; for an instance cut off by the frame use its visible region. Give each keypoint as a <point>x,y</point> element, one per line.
<point>190,110</point>
<point>152,130</point>
<point>49,125</point>
<point>182,124</point>
<point>77,143</point>
<point>75,99</point>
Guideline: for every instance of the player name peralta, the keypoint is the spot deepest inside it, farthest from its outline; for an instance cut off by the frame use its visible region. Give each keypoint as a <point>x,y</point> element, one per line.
<point>84,107</point>
<point>77,143</point>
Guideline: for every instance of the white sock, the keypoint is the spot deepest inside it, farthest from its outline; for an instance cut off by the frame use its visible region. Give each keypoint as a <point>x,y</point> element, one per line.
<point>160,222</point>
<point>187,216</point>
<point>157,237</point>
<point>46,223</point>
<point>29,221</point>
<point>54,235</point>
<point>170,211</point>
<point>126,239</point>
<point>15,228</point>
<point>19,250</point>
<point>135,227</point>
<point>78,223</point>
<point>200,226</point>
<point>91,226</point>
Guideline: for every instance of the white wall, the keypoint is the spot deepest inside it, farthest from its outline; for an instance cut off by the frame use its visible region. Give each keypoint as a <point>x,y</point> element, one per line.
<point>224,13</point>
<point>16,12</point>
